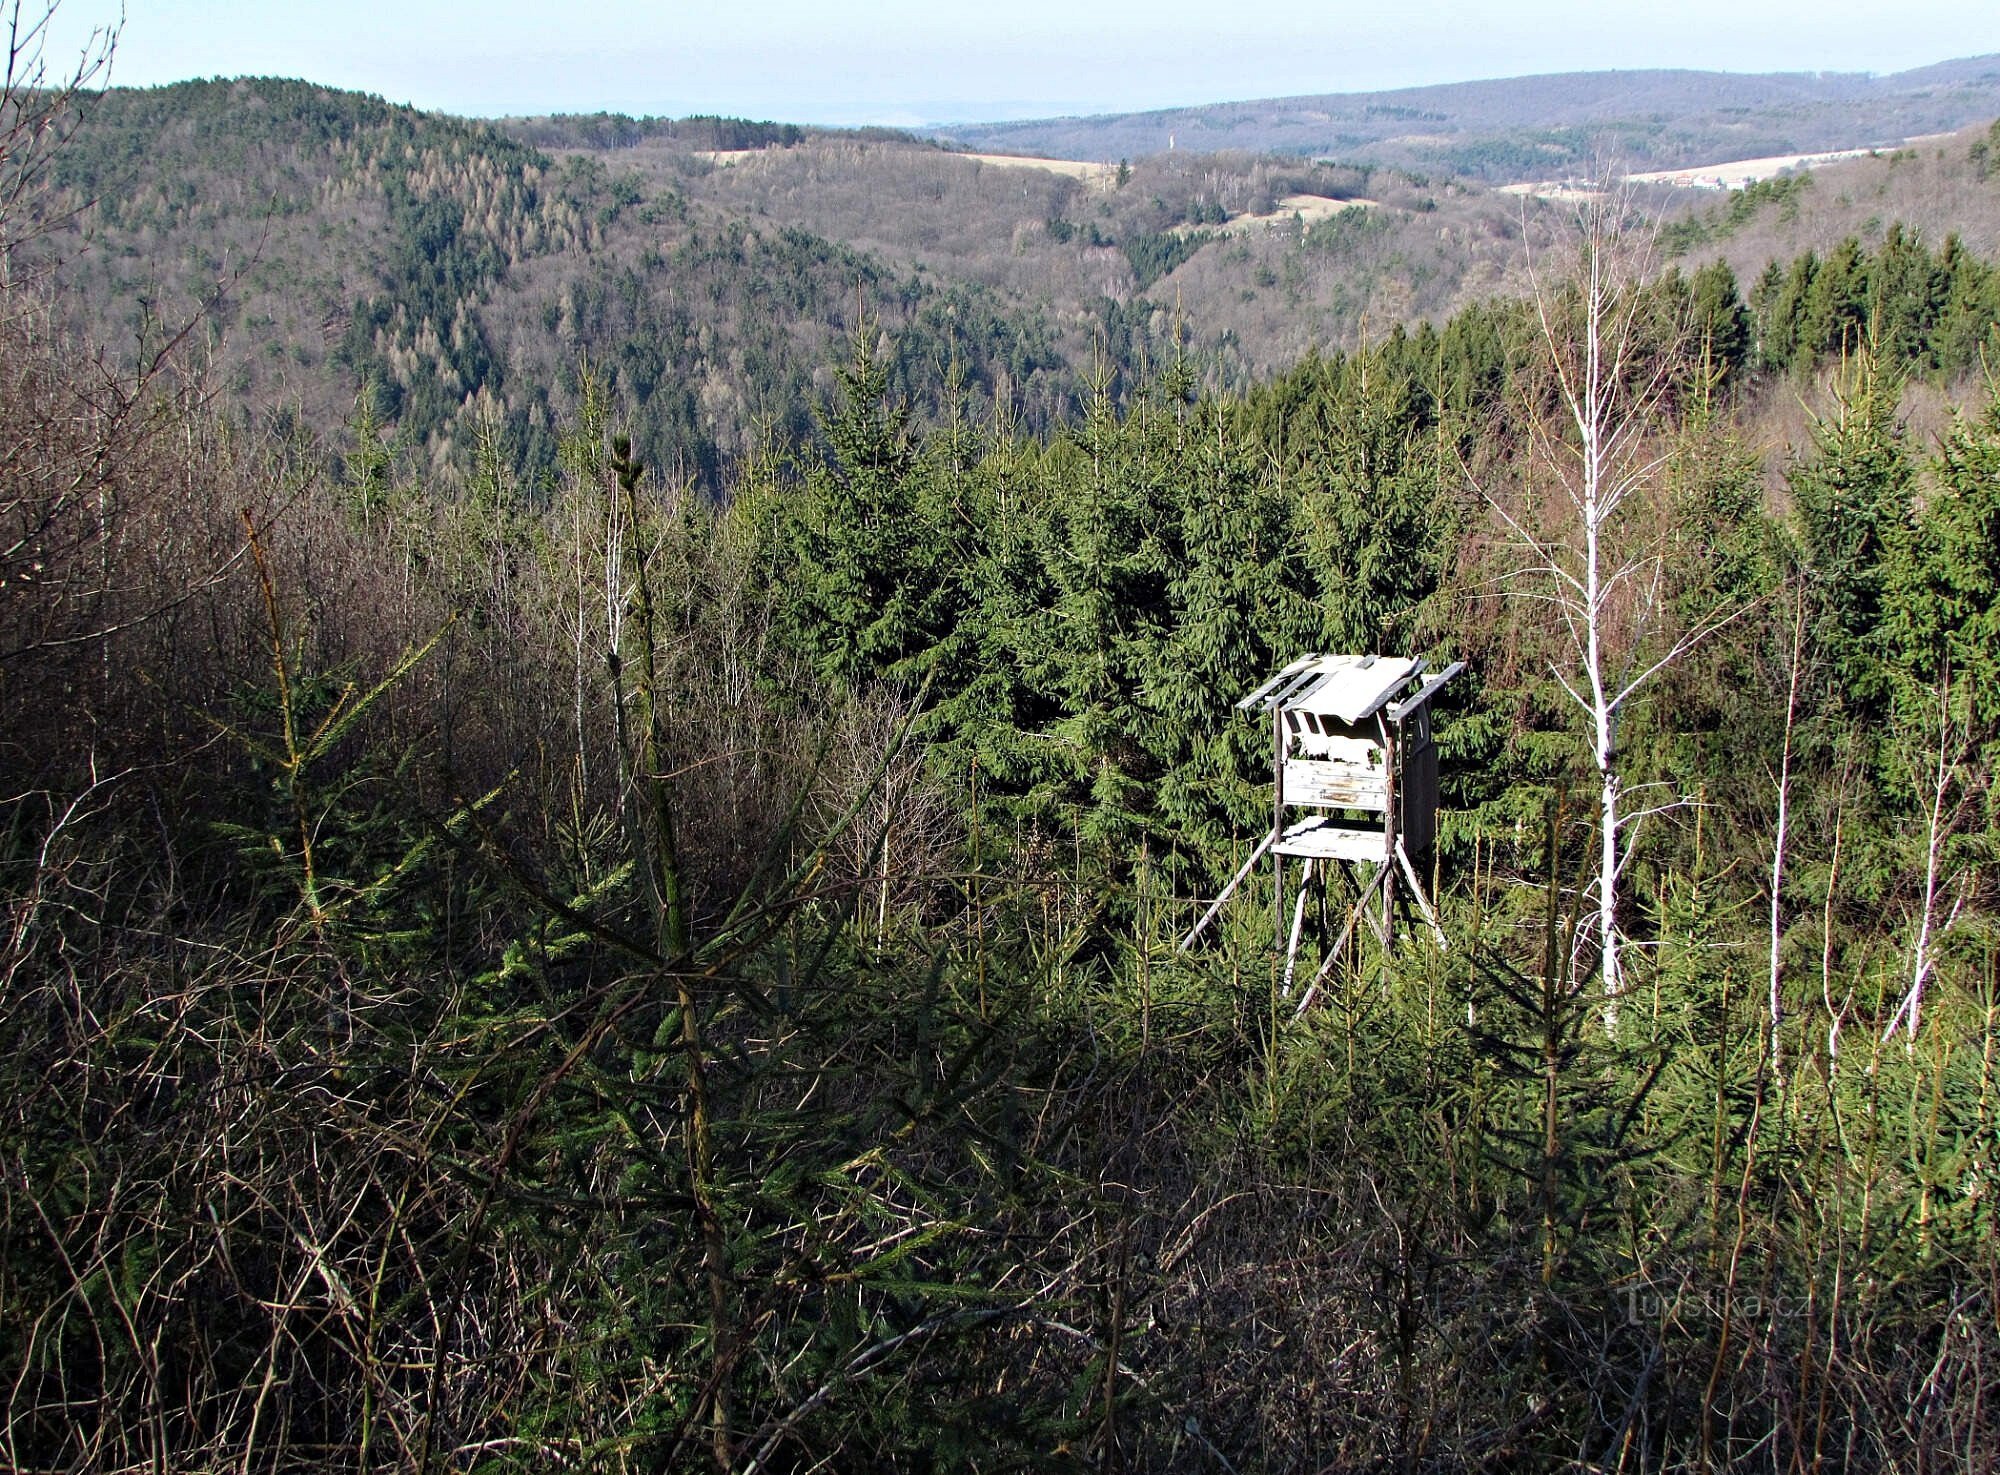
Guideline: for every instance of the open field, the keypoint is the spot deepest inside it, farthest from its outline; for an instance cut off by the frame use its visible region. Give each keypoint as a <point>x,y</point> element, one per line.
<point>1292,210</point>
<point>1101,175</point>
<point>1739,172</point>
<point>1304,209</point>
<point>1734,174</point>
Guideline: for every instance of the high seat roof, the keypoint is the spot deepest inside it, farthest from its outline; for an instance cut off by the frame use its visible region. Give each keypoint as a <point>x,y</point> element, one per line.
<point>1349,687</point>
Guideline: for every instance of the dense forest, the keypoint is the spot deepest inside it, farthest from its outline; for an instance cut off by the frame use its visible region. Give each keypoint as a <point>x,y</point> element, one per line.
<point>584,952</point>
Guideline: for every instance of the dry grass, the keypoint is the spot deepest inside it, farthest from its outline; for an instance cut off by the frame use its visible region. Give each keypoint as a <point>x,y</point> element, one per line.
<point>1104,176</point>
<point>1293,210</point>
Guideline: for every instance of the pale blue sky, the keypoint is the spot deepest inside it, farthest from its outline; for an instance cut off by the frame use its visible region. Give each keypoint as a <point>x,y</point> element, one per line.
<point>906,61</point>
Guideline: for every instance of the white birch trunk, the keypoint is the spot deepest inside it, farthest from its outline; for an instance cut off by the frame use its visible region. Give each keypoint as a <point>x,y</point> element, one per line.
<point>1590,417</point>
<point>1937,829</point>
<point>1598,573</point>
<point>1777,996</point>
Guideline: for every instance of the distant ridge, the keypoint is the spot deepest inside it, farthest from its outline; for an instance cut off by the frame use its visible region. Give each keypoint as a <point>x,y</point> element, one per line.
<point>1529,127</point>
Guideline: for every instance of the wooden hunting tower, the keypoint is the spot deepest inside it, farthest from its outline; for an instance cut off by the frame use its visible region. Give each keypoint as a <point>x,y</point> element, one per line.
<point>1351,753</point>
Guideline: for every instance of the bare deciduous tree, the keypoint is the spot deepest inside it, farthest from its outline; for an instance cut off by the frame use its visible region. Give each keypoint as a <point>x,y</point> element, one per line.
<point>36,97</point>
<point>1949,794</point>
<point>1592,553</point>
<point>1794,669</point>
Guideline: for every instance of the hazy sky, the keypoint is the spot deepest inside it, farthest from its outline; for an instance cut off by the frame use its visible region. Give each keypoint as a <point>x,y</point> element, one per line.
<point>905,61</point>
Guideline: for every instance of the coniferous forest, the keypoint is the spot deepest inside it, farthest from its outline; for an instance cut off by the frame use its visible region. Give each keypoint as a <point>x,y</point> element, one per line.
<point>547,958</point>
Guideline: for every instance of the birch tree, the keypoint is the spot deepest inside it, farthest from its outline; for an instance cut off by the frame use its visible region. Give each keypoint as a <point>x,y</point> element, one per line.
<point>1939,631</point>
<point>1946,798</point>
<point>1614,355</point>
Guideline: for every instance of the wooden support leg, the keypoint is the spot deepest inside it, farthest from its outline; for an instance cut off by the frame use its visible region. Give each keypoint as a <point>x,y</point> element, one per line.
<point>1378,916</point>
<point>1354,916</point>
<point>1298,925</point>
<point>1234,881</point>
<point>1277,901</point>
<point>1423,902</point>
<point>1384,929</point>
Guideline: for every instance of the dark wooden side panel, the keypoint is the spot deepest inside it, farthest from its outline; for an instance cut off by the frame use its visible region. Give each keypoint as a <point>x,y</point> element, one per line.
<point>1417,796</point>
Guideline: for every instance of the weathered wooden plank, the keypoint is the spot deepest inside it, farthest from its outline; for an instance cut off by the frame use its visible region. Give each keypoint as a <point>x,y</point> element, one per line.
<point>1356,687</point>
<point>1331,784</point>
<point>1258,697</point>
<point>1417,783</point>
<point>1325,840</point>
<point>1399,710</point>
<point>1341,745</point>
<point>1234,881</point>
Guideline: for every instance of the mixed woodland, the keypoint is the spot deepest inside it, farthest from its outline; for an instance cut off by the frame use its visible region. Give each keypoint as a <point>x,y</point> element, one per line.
<point>712,272</point>
<point>608,893</point>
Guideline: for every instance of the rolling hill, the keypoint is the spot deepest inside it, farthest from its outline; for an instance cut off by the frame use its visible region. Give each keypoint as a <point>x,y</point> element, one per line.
<point>710,272</point>
<point>1534,127</point>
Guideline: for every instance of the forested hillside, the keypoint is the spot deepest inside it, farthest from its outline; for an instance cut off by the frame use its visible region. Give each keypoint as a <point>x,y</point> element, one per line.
<point>329,241</point>
<point>460,272</point>
<point>619,904</point>
<point>710,267</point>
<point>1940,189</point>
